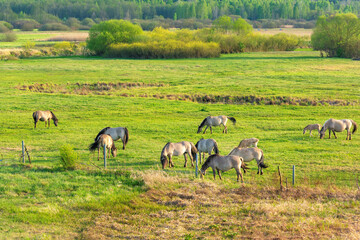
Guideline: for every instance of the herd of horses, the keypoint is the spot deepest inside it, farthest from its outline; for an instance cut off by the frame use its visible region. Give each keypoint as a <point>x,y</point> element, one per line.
<point>246,151</point>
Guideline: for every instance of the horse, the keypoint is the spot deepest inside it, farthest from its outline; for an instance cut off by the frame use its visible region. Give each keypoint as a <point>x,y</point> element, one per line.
<point>248,142</point>
<point>206,145</point>
<point>215,121</point>
<point>223,163</point>
<point>100,141</point>
<point>249,154</point>
<point>177,149</point>
<point>45,116</point>
<point>116,134</point>
<point>338,126</point>
<point>312,127</point>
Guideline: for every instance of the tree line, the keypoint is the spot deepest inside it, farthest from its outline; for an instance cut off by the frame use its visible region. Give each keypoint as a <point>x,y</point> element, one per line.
<point>49,11</point>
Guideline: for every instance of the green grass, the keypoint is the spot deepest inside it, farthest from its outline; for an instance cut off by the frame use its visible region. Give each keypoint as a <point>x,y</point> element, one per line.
<point>47,198</point>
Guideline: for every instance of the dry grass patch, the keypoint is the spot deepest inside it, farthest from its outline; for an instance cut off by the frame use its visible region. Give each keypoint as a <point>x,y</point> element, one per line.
<point>195,209</point>
<point>69,37</point>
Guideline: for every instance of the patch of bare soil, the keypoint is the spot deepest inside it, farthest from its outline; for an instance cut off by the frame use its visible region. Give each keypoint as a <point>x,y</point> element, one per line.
<point>207,210</point>
<point>102,88</point>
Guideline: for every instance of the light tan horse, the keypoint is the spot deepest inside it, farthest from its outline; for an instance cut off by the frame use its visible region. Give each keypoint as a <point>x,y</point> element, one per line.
<point>99,143</point>
<point>215,121</point>
<point>312,127</point>
<point>44,116</point>
<point>116,134</point>
<point>338,126</point>
<point>206,146</point>
<point>177,149</point>
<point>249,154</point>
<point>248,142</point>
<point>223,163</point>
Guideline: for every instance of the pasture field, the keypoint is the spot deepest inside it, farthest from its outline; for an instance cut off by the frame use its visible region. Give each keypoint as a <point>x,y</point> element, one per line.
<point>134,198</point>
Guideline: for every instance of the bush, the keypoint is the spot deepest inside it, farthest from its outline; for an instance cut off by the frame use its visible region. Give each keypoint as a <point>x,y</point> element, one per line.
<point>54,27</point>
<point>164,49</point>
<point>102,35</point>
<point>26,24</point>
<point>64,49</point>
<point>337,35</point>
<point>8,37</point>
<point>68,157</point>
<point>3,28</point>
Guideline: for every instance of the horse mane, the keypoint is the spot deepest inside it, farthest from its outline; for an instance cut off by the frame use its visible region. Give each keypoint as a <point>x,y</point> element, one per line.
<point>232,119</point>
<point>163,150</point>
<point>203,122</point>
<point>53,116</point>
<point>101,132</point>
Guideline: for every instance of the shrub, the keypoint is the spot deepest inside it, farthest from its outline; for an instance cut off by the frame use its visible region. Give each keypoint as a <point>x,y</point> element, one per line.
<point>54,27</point>
<point>337,35</point>
<point>68,157</point>
<point>164,49</point>
<point>3,28</point>
<point>29,24</point>
<point>7,25</point>
<point>8,37</point>
<point>64,48</point>
<point>102,35</point>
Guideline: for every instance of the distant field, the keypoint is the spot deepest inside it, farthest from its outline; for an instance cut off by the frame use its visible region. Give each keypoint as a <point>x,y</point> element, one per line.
<point>296,31</point>
<point>135,198</point>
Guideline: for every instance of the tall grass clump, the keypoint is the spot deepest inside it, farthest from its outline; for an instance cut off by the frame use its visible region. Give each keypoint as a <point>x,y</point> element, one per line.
<point>164,49</point>
<point>68,157</point>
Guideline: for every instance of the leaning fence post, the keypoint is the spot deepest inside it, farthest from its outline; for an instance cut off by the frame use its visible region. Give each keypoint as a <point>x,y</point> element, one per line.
<point>293,175</point>
<point>23,151</point>
<point>196,167</point>
<point>105,156</point>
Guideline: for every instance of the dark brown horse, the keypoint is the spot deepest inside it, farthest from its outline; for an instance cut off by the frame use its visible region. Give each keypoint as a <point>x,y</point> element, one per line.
<point>44,116</point>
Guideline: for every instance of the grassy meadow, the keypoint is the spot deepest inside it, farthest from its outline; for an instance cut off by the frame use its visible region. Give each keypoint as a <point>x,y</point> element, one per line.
<point>134,198</point>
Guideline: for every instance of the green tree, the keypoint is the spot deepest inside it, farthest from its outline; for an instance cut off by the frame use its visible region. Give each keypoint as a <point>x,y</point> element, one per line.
<point>223,23</point>
<point>338,35</point>
<point>242,27</point>
<point>102,35</point>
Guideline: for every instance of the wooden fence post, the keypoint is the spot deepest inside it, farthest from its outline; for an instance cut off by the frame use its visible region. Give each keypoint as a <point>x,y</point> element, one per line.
<point>293,175</point>
<point>196,167</point>
<point>281,186</point>
<point>23,151</point>
<point>105,156</point>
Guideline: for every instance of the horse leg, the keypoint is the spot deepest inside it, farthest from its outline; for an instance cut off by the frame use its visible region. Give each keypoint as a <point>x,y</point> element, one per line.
<point>329,133</point>
<point>238,173</point>
<point>214,173</point>
<point>49,123</point>
<point>98,154</point>
<point>218,171</point>
<point>334,134</point>
<point>205,129</point>
<point>192,160</point>
<point>185,160</point>
<point>210,129</point>
<point>310,133</point>
<point>171,164</point>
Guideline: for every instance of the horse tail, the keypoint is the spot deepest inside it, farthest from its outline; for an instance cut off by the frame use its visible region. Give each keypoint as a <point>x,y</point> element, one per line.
<point>94,145</point>
<point>355,126</point>
<point>216,148</point>
<point>126,137</point>
<point>243,165</point>
<point>262,164</point>
<point>101,132</point>
<point>193,149</point>
<point>34,116</point>
<point>232,119</point>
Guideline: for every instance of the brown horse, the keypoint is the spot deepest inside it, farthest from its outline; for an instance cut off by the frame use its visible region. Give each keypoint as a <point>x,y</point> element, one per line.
<point>177,149</point>
<point>248,154</point>
<point>248,142</point>
<point>312,127</point>
<point>44,116</point>
<point>223,163</point>
<point>338,126</point>
<point>116,134</point>
<point>215,121</point>
<point>100,141</point>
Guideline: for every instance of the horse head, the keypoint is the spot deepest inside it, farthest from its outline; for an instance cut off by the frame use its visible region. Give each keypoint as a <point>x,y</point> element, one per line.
<point>199,129</point>
<point>163,160</point>
<point>114,152</point>
<point>56,122</point>
<point>322,132</point>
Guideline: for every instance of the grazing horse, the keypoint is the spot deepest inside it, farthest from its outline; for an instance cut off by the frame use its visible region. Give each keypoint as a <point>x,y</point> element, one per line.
<point>338,126</point>
<point>248,142</point>
<point>312,127</point>
<point>177,149</point>
<point>215,121</point>
<point>100,141</point>
<point>44,116</point>
<point>249,154</point>
<point>116,134</point>
<point>223,163</point>
<point>206,145</point>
